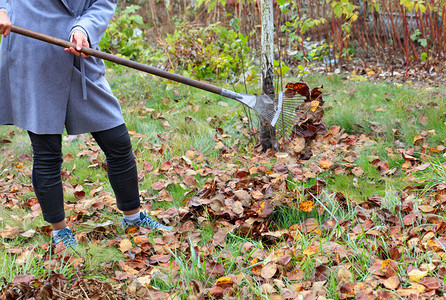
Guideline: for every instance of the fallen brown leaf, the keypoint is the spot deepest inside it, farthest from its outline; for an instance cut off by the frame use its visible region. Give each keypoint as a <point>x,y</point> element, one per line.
<point>10,232</point>
<point>392,282</point>
<point>297,274</point>
<point>269,270</point>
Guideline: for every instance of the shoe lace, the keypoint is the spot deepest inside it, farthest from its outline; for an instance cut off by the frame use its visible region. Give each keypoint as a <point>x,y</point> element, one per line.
<point>148,222</point>
<point>67,238</point>
<point>144,221</point>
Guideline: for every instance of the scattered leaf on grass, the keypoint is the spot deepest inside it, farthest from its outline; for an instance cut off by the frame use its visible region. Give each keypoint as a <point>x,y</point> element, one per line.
<point>26,279</point>
<point>159,258</point>
<point>158,186</point>
<point>431,283</point>
<point>125,245</point>
<point>416,275</point>
<point>10,232</point>
<point>269,270</point>
<point>306,206</point>
<point>297,274</point>
<point>29,233</point>
<point>311,250</point>
<point>325,163</point>
<point>392,282</point>
<point>263,209</point>
<point>409,219</point>
<point>220,238</point>
<point>344,274</point>
<point>223,281</point>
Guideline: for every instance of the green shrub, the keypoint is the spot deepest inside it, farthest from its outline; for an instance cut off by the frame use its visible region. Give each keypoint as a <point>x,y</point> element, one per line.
<point>210,52</point>
<point>125,34</point>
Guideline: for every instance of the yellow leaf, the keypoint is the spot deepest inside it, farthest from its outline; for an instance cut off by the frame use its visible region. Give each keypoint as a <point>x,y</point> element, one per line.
<point>419,287</point>
<point>139,240</point>
<point>306,206</point>
<point>357,78</point>
<point>311,250</point>
<point>145,280</point>
<point>435,246</point>
<point>129,270</point>
<point>325,163</point>
<point>369,71</point>
<point>416,275</point>
<point>317,231</point>
<point>125,245</point>
<point>224,280</point>
<point>417,138</point>
<point>385,264</point>
<point>314,105</point>
<point>407,292</point>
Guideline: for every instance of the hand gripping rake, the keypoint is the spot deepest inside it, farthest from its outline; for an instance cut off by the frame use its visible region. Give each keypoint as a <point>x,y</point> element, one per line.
<point>264,105</point>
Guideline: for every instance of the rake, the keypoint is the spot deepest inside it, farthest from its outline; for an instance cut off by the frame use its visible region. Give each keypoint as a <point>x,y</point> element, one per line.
<point>267,106</point>
<point>301,111</point>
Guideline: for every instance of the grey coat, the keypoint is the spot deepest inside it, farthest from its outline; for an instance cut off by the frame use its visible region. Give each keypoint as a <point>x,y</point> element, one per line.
<point>42,87</point>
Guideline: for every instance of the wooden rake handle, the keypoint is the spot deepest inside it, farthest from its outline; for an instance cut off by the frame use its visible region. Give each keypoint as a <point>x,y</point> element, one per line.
<point>119,60</point>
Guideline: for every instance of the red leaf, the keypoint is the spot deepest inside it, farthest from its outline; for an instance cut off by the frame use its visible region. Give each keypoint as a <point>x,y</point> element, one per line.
<point>23,279</point>
<point>158,186</point>
<point>147,166</point>
<point>410,219</point>
<point>189,180</point>
<point>430,283</point>
<point>214,269</point>
<point>79,195</point>
<point>300,87</point>
<point>156,259</point>
<point>263,209</point>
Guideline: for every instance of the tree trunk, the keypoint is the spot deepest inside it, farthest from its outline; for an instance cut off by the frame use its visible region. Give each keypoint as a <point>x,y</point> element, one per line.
<point>267,132</point>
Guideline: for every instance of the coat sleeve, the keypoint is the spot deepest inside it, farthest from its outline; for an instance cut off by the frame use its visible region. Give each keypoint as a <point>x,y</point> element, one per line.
<point>96,19</point>
<point>3,4</point>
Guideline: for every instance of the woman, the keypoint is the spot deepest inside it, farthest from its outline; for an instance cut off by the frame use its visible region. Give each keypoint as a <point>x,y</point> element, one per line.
<point>45,90</point>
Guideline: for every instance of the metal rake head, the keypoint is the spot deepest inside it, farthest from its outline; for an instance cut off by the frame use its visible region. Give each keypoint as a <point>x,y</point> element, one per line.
<point>269,108</point>
<point>301,110</point>
<point>266,106</point>
<point>289,116</point>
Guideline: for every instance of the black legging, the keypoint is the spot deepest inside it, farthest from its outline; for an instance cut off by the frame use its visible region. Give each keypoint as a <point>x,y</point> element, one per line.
<point>47,161</point>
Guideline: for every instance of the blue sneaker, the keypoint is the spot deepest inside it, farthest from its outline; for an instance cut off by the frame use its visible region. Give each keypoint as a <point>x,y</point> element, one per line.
<point>145,221</point>
<point>66,237</point>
